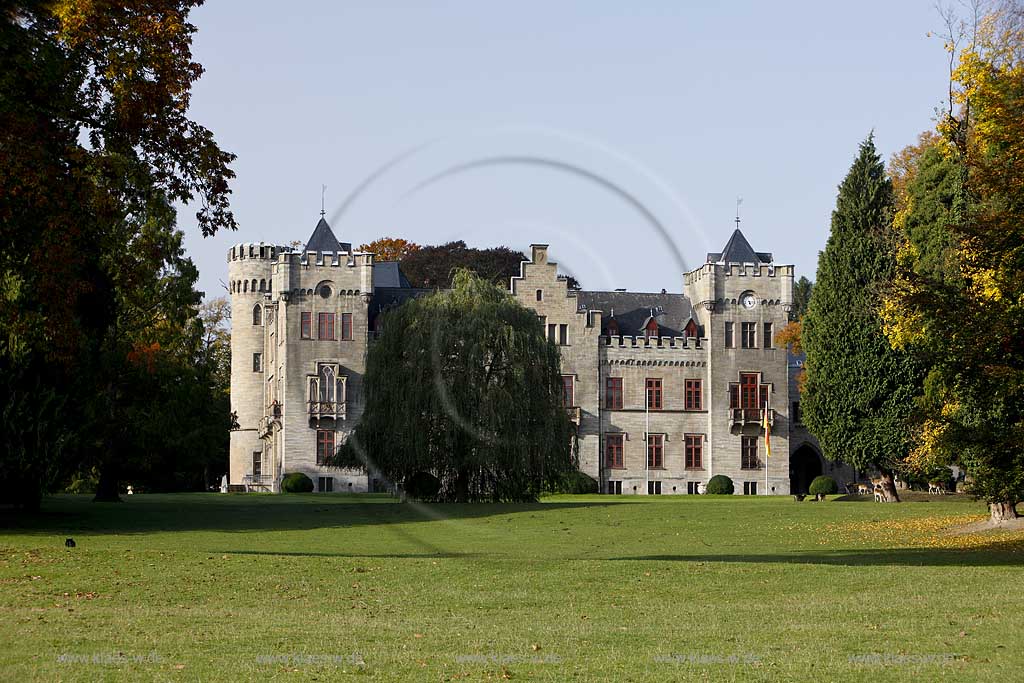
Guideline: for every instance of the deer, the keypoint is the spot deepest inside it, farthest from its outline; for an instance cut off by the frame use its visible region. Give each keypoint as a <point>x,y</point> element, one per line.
<point>936,487</point>
<point>876,487</point>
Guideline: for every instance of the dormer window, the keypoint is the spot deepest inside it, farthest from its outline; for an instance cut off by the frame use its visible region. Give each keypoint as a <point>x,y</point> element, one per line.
<point>613,328</point>
<point>651,329</point>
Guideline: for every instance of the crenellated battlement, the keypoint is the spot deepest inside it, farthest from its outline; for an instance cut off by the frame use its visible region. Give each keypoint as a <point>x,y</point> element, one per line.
<point>335,259</point>
<point>640,342</point>
<point>256,250</point>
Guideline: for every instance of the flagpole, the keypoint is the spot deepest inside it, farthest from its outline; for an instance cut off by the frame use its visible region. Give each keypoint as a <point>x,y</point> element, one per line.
<point>767,439</point>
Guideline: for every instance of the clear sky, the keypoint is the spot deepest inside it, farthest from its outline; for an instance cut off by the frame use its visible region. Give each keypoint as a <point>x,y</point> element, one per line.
<point>619,133</point>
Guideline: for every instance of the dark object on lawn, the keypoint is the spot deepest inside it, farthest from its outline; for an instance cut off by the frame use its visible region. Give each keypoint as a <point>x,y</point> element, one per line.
<point>799,497</point>
<point>69,543</point>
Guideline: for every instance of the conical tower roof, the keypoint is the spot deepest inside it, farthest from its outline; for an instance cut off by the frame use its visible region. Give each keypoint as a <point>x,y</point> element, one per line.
<point>738,250</point>
<point>323,239</point>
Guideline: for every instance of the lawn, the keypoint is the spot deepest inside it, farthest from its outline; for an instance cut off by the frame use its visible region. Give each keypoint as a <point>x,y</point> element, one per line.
<point>213,587</point>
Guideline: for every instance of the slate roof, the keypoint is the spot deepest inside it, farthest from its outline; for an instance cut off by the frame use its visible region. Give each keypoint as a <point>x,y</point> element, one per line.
<point>389,274</point>
<point>323,240</point>
<point>385,298</point>
<point>738,250</point>
<point>632,310</point>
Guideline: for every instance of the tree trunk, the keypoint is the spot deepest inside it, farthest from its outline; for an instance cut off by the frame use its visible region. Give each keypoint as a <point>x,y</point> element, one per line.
<point>889,494</point>
<point>1002,512</point>
<point>106,489</point>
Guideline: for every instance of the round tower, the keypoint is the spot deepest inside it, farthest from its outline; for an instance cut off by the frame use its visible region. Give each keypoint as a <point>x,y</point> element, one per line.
<point>249,271</point>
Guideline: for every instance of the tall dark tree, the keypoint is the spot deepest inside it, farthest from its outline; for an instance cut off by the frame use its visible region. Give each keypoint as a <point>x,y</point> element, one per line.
<point>95,145</point>
<point>858,391</point>
<point>464,386</point>
<point>802,290</point>
<point>435,266</point>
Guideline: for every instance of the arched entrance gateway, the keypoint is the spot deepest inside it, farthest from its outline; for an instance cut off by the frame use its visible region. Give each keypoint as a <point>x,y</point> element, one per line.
<point>804,466</point>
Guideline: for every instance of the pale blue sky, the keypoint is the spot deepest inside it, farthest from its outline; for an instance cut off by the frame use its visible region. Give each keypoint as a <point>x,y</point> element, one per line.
<point>578,124</point>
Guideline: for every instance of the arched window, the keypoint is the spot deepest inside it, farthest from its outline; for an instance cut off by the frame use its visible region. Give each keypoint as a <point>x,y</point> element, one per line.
<point>263,285</point>
<point>257,315</point>
<point>245,285</point>
<point>254,284</point>
<point>328,389</point>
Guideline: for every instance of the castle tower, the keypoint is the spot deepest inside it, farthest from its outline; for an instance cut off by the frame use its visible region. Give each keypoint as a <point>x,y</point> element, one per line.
<point>249,270</point>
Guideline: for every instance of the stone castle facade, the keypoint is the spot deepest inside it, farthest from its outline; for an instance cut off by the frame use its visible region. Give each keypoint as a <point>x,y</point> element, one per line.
<point>666,389</point>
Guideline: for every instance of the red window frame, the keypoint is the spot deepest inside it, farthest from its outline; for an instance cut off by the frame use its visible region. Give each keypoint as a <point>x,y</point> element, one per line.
<point>306,325</point>
<point>568,384</point>
<point>346,327</point>
<point>656,451</point>
<point>749,393</point>
<point>654,393</point>
<point>694,451</point>
<point>613,328</point>
<point>694,394</point>
<point>614,448</point>
<point>325,326</point>
<point>613,393</point>
<point>651,330</point>
<point>324,445</point>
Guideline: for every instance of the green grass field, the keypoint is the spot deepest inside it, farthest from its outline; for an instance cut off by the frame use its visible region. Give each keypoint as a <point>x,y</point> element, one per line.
<point>213,587</point>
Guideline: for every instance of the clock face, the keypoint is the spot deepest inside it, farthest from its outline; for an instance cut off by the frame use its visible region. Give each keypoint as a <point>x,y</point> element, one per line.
<point>748,300</point>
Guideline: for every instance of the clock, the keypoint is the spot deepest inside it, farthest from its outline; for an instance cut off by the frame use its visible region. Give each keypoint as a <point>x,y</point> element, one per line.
<point>748,300</point>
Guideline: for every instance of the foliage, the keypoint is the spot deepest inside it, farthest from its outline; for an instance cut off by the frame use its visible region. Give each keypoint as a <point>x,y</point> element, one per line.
<point>802,290</point>
<point>790,336</point>
<point>423,486</point>
<point>390,248</point>
<point>577,483</point>
<point>95,149</point>
<point>720,485</point>
<point>858,391</point>
<point>965,316</point>
<point>463,384</point>
<point>296,482</point>
<point>823,485</point>
<point>435,266</point>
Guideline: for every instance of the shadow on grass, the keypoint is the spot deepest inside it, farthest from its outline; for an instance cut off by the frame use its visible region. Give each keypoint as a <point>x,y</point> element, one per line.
<point>1010,553</point>
<point>247,512</point>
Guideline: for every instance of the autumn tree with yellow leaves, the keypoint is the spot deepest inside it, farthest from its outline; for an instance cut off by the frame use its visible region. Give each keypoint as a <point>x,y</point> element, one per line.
<point>966,317</point>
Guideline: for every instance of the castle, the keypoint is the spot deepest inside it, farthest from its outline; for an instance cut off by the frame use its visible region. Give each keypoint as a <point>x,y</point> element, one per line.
<point>666,389</point>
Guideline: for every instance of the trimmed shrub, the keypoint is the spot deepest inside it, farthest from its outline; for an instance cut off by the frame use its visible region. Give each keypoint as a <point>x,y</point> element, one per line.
<point>422,486</point>
<point>296,482</point>
<point>720,485</point>
<point>823,486</point>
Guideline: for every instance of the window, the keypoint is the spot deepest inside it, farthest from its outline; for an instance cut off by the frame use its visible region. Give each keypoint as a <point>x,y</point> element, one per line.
<point>730,343</point>
<point>540,295</point>
<point>613,393</point>
<point>257,464</point>
<point>324,446</point>
<point>613,328</point>
<point>693,487</point>
<point>748,335</point>
<point>346,326</point>
<point>257,362</point>
<point>257,315</point>
<point>615,487</point>
<point>656,451</point>
<point>325,292</point>
<point>748,390</point>
<point>552,329</point>
<point>654,488</point>
<point>306,327</point>
<point>651,330</point>
<point>567,393</point>
<point>694,447</point>
<point>748,457</point>
<point>767,335</point>
<point>325,484</point>
<point>750,488</point>
<point>613,445</point>
<point>653,394</point>
<point>563,335</point>
<point>694,395</point>
<point>797,418</point>
<point>325,326</point>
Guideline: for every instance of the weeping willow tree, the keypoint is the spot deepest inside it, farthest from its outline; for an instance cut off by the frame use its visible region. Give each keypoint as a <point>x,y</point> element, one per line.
<point>464,386</point>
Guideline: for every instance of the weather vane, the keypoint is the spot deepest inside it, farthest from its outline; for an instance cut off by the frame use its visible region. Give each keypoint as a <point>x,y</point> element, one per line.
<point>739,200</point>
<point>323,195</point>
